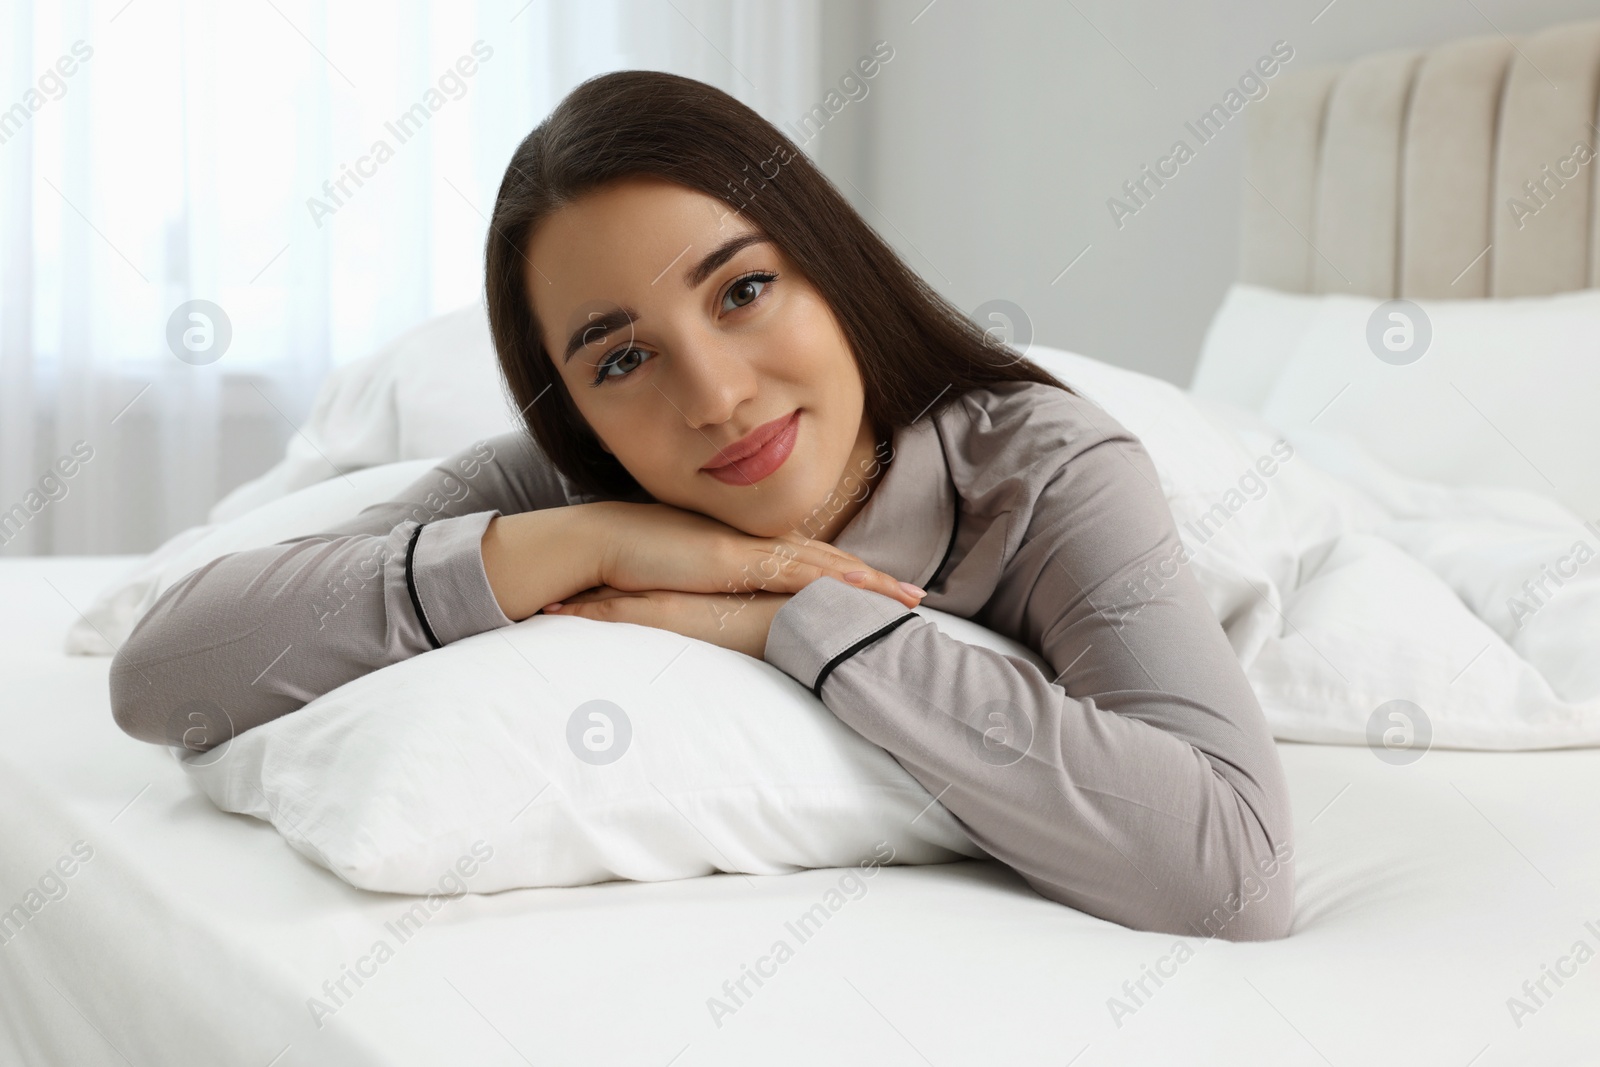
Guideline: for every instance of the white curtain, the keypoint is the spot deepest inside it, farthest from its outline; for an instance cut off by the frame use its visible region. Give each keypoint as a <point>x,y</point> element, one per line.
<point>163,152</point>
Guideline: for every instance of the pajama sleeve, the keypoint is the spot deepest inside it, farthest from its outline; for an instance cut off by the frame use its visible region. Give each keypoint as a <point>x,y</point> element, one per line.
<point>258,633</point>
<point>1138,780</point>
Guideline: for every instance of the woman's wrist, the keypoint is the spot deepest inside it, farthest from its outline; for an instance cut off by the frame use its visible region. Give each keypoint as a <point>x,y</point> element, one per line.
<point>533,558</point>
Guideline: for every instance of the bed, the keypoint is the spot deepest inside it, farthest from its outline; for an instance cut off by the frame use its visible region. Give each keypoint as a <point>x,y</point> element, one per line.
<point>1448,911</point>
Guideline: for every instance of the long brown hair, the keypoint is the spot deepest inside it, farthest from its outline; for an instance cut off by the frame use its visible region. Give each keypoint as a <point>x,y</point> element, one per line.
<point>916,352</point>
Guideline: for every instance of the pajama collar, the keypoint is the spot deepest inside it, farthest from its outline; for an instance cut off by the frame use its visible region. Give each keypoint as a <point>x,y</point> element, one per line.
<point>907,526</point>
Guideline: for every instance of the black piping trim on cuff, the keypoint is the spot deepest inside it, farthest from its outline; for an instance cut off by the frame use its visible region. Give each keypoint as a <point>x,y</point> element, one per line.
<point>411,587</point>
<point>827,668</point>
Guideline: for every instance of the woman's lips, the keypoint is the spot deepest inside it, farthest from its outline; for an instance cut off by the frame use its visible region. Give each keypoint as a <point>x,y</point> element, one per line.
<point>748,470</point>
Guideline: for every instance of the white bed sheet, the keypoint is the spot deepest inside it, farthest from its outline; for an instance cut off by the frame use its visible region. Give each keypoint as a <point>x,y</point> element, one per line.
<point>1428,894</point>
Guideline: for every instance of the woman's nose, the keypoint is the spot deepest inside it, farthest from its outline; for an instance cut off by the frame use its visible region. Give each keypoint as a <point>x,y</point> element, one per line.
<point>714,377</point>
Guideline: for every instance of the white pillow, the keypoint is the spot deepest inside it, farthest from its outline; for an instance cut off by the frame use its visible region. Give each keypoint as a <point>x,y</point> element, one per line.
<point>431,391</point>
<point>117,608</point>
<point>1498,393</point>
<point>715,762</point>
<point>1248,343</point>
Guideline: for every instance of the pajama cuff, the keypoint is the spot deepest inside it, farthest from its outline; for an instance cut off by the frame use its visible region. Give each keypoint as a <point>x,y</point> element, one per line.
<point>444,574</point>
<point>825,624</point>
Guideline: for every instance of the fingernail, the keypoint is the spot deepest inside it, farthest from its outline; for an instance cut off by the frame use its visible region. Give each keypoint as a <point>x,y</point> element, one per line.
<point>855,576</point>
<point>913,590</point>
<point>553,607</point>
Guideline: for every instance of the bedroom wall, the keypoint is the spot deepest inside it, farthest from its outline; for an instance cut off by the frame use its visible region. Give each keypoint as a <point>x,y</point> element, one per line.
<point>987,148</point>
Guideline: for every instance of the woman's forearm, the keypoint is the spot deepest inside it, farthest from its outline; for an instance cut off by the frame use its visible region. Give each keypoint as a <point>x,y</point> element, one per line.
<point>538,557</point>
<point>261,632</point>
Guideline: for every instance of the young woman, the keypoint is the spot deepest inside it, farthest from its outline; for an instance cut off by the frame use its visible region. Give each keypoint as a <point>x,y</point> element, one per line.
<point>750,423</point>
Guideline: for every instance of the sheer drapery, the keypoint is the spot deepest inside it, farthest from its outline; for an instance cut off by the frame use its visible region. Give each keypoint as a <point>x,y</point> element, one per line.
<point>205,207</point>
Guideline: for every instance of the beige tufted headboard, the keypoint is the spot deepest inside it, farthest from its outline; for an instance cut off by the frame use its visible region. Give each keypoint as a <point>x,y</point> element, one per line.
<point>1392,175</point>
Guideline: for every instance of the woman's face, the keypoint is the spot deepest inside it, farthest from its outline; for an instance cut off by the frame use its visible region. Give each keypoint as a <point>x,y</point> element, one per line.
<point>680,331</point>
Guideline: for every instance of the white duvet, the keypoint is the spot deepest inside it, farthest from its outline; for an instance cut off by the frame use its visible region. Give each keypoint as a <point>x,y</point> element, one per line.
<point>1367,607</point>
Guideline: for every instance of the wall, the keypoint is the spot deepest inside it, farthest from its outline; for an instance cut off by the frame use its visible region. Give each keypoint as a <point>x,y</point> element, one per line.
<point>987,148</point>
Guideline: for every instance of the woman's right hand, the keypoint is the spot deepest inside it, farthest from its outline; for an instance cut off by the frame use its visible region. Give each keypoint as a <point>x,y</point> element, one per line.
<point>659,546</point>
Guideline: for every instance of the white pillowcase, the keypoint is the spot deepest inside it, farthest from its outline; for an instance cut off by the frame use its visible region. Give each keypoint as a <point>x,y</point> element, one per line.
<point>1249,342</point>
<point>107,622</point>
<point>1503,394</point>
<point>715,762</point>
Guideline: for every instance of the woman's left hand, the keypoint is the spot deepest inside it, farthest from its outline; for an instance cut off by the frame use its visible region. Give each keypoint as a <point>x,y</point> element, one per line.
<point>732,621</point>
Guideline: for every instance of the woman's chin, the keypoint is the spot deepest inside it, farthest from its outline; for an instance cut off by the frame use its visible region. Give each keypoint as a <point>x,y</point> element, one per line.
<point>770,520</point>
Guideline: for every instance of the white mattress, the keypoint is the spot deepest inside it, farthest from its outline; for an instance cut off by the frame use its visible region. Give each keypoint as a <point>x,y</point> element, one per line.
<point>1428,894</point>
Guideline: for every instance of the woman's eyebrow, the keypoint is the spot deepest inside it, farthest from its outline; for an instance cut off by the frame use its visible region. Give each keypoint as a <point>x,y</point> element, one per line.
<point>598,327</point>
<point>601,325</point>
<point>720,255</point>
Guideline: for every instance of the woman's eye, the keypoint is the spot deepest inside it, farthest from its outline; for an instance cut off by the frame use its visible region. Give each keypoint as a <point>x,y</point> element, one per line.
<point>743,292</point>
<point>746,290</point>
<point>619,359</point>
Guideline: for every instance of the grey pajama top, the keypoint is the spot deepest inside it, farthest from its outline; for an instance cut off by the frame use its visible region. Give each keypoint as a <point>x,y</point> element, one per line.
<point>1137,782</point>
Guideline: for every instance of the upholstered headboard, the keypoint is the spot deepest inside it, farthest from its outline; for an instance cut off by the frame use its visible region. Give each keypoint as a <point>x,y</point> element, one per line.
<point>1464,170</point>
